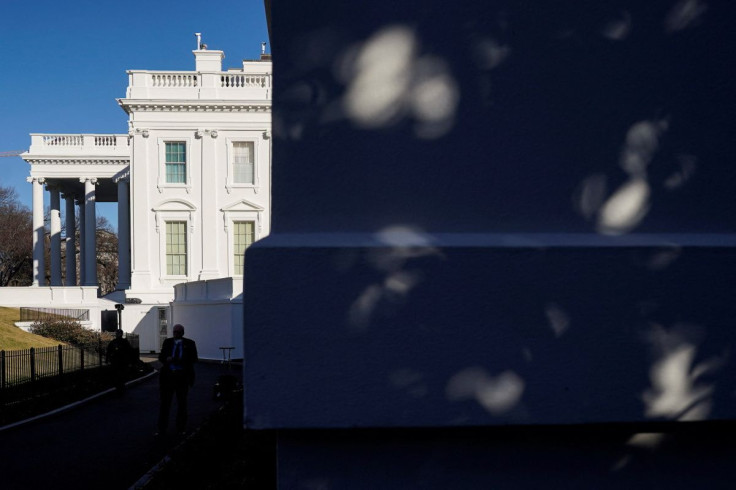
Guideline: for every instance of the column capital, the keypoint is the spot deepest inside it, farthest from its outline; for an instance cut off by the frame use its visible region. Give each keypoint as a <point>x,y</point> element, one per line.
<point>199,134</point>
<point>40,180</point>
<point>92,180</point>
<point>125,177</point>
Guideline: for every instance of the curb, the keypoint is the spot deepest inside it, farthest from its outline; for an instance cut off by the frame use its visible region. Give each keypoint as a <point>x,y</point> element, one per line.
<point>75,404</point>
<point>155,469</point>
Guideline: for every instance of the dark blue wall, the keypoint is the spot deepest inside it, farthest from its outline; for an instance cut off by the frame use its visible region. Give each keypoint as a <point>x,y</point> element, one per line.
<point>527,131</point>
<point>446,180</point>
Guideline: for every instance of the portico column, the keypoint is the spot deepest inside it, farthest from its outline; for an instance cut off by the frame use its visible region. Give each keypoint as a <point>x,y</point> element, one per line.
<point>123,233</point>
<point>55,236</point>
<point>90,228</point>
<point>39,268</point>
<point>82,229</point>
<point>70,243</point>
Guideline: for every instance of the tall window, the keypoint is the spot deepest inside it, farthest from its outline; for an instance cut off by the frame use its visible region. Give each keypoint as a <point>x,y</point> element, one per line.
<point>176,248</point>
<point>176,162</point>
<point>243,168</point>
<point>242,238</point>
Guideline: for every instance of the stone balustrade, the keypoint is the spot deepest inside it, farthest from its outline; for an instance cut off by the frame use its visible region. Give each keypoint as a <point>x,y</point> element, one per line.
<point>79,144</point>
<point>231,85</point>
<point>174,79</point>
<point>235,80</point>
<point>62,140</point>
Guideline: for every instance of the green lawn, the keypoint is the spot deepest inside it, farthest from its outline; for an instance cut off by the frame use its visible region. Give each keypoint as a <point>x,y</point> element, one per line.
<point>13,338</point>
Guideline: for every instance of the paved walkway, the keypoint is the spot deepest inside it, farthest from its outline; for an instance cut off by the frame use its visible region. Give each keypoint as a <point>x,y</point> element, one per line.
<point>106,443</point>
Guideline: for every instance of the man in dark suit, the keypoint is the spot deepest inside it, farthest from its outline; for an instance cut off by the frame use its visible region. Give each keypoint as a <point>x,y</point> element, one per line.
<point>178,356</point>
<point>120,356</point>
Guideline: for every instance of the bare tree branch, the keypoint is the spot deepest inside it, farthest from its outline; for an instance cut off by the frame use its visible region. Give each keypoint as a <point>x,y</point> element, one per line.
<point>16,240</point>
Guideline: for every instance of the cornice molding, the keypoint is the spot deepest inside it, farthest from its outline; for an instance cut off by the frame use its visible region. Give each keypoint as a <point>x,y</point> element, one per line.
<point>196,106</point>
<point>78,161</point>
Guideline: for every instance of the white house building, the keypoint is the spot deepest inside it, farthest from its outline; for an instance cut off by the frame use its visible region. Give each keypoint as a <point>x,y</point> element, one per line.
<point>192,182</point>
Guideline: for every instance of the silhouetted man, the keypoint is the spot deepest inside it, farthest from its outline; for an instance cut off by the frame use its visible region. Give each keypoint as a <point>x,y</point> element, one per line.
<point>178,356</point>
<point>119,355</point>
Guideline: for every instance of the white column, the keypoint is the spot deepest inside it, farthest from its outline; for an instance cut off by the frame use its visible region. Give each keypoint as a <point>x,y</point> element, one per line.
<point>209,227</point>
<point>55,236</point>
<point>90,228</point>
<point>141,177</point>
<point>70,243</point>
<point>82,230</point>
<point>39,267</point>
<point>123,234</point>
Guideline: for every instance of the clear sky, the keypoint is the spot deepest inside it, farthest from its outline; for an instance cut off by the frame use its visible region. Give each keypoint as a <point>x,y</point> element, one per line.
<point>64,62</point>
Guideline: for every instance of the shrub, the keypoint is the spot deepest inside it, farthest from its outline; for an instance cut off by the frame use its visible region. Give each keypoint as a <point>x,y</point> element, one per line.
<point>71,332</point>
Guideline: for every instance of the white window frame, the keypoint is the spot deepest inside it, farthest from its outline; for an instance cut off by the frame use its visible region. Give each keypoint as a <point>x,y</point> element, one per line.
<point>231,237</point>
<point>230,216</point>
<point>162,184</point>
<point>230,183</point>
<point>169,211</point>
<point>187,247</point>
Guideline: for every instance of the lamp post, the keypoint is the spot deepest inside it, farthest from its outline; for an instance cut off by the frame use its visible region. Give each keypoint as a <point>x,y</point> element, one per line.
<point>120,309</point>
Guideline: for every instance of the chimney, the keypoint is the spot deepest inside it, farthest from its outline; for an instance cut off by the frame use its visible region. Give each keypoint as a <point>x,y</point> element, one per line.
<point>208,60</point>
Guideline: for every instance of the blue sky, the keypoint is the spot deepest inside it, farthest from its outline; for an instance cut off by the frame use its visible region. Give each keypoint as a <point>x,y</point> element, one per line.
<point>64,62</point>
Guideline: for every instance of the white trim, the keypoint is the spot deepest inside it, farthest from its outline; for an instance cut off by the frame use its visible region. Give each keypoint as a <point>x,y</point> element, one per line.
<point>231,243</point>
<point>240,211</point>
<point>174,206</point>
<point>145,105</point>
<point>230,153</point>
<point>52,160</point>
<point>171,210</point>
<point>161,180</point>
<point>164,272</point>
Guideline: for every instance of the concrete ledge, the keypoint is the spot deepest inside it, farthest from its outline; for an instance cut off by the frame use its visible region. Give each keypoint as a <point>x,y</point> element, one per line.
<point>432,336</point>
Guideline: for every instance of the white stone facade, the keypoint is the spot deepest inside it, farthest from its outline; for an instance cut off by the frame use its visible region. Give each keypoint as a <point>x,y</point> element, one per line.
<point>195,163</point>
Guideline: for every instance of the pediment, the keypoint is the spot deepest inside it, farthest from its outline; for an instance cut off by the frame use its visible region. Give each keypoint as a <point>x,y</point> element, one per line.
<point>241,205</point>
<point>175,205</point>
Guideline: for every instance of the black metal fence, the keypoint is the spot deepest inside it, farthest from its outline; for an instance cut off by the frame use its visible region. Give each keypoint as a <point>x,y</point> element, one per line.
<point>25,373</point>
<point>42,314</point>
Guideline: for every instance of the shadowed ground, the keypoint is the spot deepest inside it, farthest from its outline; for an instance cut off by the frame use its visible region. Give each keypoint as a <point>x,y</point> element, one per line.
<point>107,443</point>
